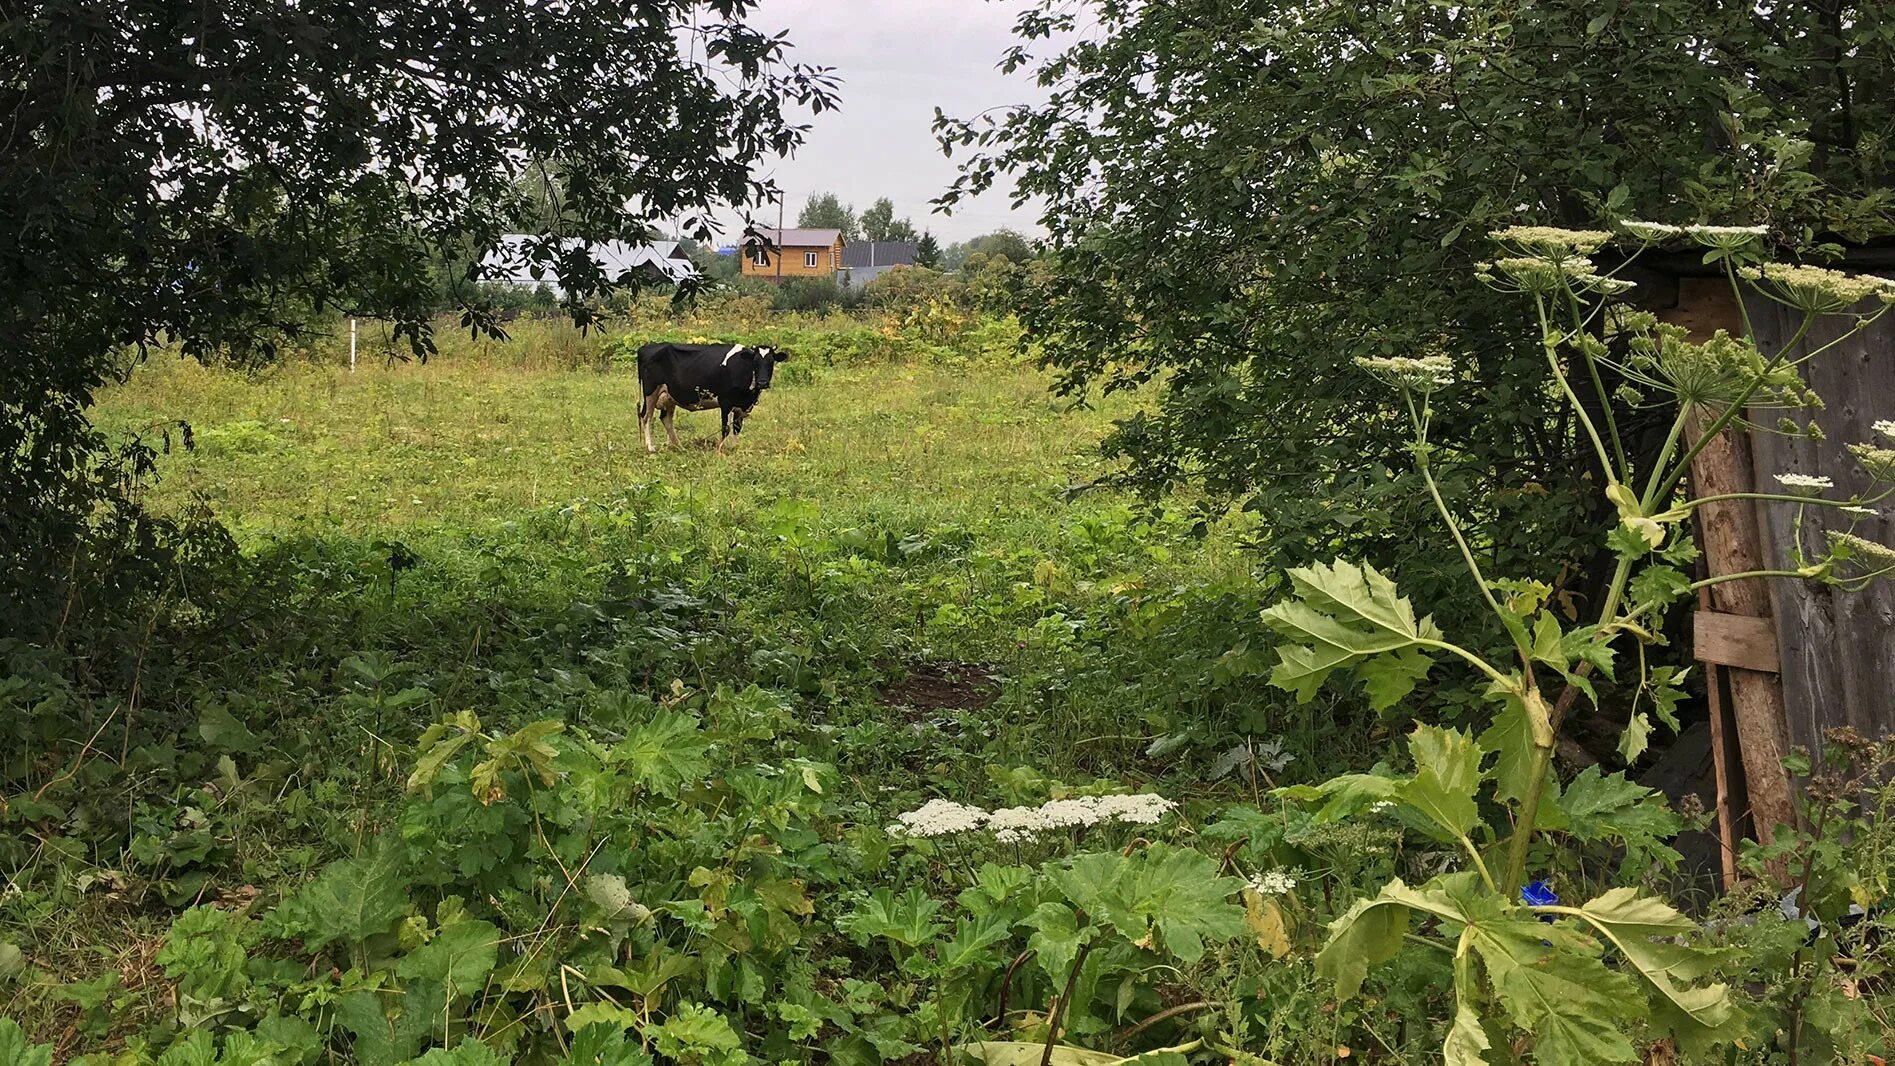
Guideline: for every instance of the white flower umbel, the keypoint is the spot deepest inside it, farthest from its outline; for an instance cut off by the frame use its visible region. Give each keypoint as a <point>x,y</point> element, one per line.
<point>1805,484</point>
<point>1013,824</point>
<point>1816,290</point>
<point>1551,240</point>
<point>1272,883</point>
<point>1424,374</point>
<point>939,817</point>
<point>1860,512</point>
<point>1726,238</point>
<point>1144,808</point>
<point>1869,552</point>
<point>1650,231</point>
<point>1886,427</point>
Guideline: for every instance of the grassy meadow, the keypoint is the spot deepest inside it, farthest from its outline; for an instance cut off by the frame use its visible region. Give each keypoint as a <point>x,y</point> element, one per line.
<point>473,665</point>
<point>462,440</point>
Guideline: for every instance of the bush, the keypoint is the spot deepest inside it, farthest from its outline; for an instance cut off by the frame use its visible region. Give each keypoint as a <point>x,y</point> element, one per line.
<point>904,288</point>
<point>811,294</point>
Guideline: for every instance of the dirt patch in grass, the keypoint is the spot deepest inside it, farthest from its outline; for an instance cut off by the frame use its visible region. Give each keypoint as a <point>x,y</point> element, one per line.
<point>942,686</point>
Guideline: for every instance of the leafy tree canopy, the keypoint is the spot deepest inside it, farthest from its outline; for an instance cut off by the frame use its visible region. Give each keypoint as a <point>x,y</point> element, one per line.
<point>216,176</point>
<point>880,224</point>
<point>826,211</point>
<point>1241,197</point>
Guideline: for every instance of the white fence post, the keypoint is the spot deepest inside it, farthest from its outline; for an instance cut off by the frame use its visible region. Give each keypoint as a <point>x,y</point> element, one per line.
<point>351,345</point>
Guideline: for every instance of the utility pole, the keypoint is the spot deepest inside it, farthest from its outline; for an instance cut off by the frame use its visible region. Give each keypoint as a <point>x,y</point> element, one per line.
<point>779,235</point>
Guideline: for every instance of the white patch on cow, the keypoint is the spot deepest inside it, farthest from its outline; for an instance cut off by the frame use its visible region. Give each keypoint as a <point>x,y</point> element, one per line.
<point>734,349</point>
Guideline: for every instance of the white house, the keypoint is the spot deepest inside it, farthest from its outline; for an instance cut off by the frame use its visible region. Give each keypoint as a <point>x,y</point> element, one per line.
<point>508,264</point>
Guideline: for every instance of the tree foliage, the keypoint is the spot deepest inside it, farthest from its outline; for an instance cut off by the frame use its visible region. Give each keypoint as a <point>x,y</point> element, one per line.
<point>927,251</point>
<point>827,211</point>
<point>1242,197</point>
<point>219,177</point>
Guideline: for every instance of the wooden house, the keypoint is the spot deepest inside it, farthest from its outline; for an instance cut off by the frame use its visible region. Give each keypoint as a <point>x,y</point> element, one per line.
<point>794,253</point>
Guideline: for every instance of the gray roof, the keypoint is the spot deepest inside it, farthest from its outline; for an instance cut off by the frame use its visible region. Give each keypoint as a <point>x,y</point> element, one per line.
<point>801,238</point>
<point>878,253</point>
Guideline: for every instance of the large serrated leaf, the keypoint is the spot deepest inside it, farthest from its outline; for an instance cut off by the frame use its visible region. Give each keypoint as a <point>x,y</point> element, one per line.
<point>1447,776</point>
<point>1347,616</point>
<point>1645,930</point>
<point>665,753</point>
<point>351,900</point>
<point>460,957</point>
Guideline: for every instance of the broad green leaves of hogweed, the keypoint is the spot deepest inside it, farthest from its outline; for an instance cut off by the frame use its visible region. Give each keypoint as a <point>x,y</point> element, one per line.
<point>351,900</point>
<point>1345,616</point>
<point>1442,791</point>
<point>15,1049</point>
<point>1160,894</point>
<point>1550,979</point>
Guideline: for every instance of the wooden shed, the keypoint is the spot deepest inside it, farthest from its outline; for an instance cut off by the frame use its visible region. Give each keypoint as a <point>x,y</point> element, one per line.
<point>1786,660</point>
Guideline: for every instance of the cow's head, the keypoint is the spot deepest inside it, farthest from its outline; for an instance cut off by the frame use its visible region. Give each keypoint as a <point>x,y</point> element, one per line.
<point>766,360</point>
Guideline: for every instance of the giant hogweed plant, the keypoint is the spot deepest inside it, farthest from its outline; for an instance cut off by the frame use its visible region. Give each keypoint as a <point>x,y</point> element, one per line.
<point>1577,978</point>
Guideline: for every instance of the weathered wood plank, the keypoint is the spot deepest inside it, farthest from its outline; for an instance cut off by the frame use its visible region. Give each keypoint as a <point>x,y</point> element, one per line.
<point>1837,646</point>
<point>1734,640</point>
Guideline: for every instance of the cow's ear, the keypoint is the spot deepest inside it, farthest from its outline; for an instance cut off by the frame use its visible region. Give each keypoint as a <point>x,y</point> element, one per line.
<point>780,355</point>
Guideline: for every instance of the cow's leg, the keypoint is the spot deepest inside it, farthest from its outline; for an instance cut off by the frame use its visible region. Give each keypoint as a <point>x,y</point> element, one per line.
<point>737,421</point>
<point>724,434</point>
<point>667,409</point>
<point>644,420</point>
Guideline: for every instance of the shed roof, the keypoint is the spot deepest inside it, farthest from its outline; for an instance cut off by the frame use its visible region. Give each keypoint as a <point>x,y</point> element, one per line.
<point>878,253</point>
<point>801,238</point>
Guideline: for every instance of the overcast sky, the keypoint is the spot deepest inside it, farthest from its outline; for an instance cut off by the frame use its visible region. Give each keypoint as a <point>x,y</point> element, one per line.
<point>898,60</point>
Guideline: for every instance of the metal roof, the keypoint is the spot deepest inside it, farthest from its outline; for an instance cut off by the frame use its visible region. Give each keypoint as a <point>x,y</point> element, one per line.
<point>801,238</point>
<point>878,253</point>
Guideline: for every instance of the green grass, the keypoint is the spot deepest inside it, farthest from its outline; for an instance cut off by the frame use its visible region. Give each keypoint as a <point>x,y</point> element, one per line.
<point>465,443</point>
<point>885,576</point>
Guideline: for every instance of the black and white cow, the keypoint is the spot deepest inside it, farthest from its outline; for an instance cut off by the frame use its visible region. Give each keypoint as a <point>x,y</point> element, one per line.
<point>698,377</point>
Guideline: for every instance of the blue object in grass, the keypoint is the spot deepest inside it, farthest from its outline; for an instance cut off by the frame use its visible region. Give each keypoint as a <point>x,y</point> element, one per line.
<point>1539,894</point>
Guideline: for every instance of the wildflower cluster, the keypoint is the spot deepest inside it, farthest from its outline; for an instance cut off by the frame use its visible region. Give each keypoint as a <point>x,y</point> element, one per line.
<point>1652,232</point>
<point>1012,824</point>
<point>1816,290</point>
<point>1553,241</point>
<point>1886,427</point>
<point>1725,238</point>
<point>1879,463</point>
<point>1715,373</point>
<point>1805,484</point>
<point>1272,883</point>
<point>1423,374</point>
<point>1871,553</point>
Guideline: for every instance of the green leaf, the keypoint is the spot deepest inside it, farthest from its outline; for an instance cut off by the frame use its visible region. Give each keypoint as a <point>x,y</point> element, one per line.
<point>1367,934</point>
<point>1342,797</point>
<point>221,730</point>
<point>15,1050</point>
<point>351,900</point>
<point>665,753</point>
<point>1646,931</point>
<point>460,957</point>
<point>1447,777</point>
<point>1345,616</point>
<point>1636,737</point>
<point>1609,807</point>
<point>1029,1053</point>
<point>384,1041</point>
<point>1056,939</point>
<point>438,746</point>
<point>1174,893</point>
<point>1467,1042</point>
<point>469,1052</point>
<point>1510,737</point>
<point>907,919</point>
<point>602,1014</point>
<point>697,1034</point>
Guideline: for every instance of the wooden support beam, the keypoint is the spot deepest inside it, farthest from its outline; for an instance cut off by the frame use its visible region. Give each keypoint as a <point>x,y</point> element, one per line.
<point>1732,545</point>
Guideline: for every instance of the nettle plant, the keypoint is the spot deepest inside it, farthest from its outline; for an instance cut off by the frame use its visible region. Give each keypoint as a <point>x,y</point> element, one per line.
<point>1521,958</point>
